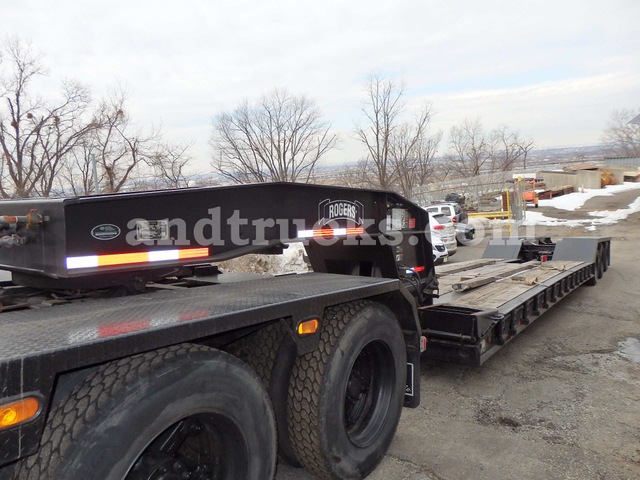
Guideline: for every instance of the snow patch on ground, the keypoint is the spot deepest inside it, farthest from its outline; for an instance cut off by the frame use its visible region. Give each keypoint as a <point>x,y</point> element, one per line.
<point>573,201</point>
<point>603,217</point>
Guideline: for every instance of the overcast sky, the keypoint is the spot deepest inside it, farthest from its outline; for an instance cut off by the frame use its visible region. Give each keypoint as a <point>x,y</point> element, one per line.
<point>552,69</point>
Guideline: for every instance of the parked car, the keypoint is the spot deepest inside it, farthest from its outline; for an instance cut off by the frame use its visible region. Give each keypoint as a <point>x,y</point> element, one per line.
<point>451,210</point>
<point>455,198</point>
<point>440,253</point>
<point>464,233</point>
<point>443,227</point>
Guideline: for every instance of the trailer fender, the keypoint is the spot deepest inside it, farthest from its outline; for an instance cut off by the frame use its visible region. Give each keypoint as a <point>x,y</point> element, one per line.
<point>596,250</point>
<point>581,249</point>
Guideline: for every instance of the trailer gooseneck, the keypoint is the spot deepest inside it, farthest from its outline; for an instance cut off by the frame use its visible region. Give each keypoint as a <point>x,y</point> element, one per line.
<point>125,354</point>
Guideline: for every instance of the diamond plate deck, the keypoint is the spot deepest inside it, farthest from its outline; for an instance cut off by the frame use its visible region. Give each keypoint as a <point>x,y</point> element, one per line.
<point>176,315</point>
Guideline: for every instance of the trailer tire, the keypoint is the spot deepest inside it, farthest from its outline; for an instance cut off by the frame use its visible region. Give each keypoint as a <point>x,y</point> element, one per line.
<point>260,350</point>
<point>603,258</point>
<point>606,256</point>
<point>597,269</point>
<point>162,414</point>
<point>345,398</point>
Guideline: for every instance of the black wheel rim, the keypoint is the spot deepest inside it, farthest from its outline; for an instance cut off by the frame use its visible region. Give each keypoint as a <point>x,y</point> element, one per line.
<point>200,447</point>
<point>368,393</point>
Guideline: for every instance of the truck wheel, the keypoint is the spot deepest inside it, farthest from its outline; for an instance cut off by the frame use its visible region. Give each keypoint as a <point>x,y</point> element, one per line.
<point>186,411</point>
<point>345,398</point>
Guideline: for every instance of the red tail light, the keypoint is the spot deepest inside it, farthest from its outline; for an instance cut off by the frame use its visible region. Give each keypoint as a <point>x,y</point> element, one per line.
<point>453,219</point>
<point>438,227</point>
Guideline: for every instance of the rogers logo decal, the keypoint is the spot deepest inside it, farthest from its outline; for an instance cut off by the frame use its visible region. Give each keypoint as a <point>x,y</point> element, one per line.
<point>340,210</point>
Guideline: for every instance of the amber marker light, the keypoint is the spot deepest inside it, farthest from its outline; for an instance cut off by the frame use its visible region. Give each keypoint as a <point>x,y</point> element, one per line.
<point>18,412</point>
<point>308,327</point>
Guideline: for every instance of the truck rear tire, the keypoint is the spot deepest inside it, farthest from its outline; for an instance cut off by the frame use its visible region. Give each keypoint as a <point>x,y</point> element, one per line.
<point>181,411</point>
<point>345,398</point>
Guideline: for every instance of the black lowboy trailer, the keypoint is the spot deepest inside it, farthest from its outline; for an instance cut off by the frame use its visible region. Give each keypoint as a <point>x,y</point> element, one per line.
<point>126,354</point>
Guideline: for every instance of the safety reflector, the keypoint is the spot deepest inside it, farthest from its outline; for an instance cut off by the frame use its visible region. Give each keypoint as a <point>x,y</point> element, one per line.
<point>423,343</point>
<point>308,327</point>
<point>330,232</point>
<point>94,261</point>
<point>18,412</point>
<point>122,328</point>
<point>418,269</point>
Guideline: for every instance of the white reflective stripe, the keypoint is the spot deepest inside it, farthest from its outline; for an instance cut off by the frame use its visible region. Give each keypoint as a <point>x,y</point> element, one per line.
<point>305,233</point>
<point>163,255</point>
<point>90,261</point>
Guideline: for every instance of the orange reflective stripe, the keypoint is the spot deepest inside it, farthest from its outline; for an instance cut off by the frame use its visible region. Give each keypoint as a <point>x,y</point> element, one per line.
<point>193,253</point>
<point>122,259</point>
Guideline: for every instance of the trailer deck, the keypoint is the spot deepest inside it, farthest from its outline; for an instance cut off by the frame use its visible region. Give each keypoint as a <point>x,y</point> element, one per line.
<point>494,285</point>
<point>484,303</point>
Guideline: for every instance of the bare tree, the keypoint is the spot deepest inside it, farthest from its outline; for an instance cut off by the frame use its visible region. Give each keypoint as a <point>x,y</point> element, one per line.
<point>281,138</point>
<point>35,137</point>
<point>60,135</point>
<point>623,136</point>
<point>525,146</point>
<point>76,175</point>
<point>381,110</point>
<point>508,148</point>
<point>413,155</point>
<point>121,148</point>
<point>48,144</point>
<point>470,151</point>
<point>168,164</point>
<point>399,154</point>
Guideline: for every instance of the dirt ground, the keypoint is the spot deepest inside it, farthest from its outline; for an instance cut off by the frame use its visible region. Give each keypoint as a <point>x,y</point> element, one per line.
<point>561,401</point>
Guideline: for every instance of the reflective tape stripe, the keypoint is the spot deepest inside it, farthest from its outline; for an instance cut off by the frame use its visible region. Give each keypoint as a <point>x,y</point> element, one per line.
<point>82,262</point>
<point>330,232</point>
<point>93,261</point>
